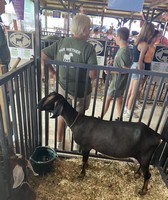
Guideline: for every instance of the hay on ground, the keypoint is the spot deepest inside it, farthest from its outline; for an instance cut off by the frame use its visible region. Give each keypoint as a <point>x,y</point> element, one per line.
<point>104,180</point>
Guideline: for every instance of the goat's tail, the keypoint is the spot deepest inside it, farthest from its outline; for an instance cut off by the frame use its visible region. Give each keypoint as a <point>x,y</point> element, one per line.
<point>155,160</point>
<point>164,139</point>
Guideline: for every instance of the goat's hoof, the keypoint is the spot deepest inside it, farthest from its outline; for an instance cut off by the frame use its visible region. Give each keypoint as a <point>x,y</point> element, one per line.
<point>81,176</point>
<point>142,192</point>
<point>137,175</point>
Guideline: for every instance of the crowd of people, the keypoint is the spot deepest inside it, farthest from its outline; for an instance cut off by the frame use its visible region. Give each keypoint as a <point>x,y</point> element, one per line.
<point>110,35</point>
<point>143,51</point>
<point>98,33</point>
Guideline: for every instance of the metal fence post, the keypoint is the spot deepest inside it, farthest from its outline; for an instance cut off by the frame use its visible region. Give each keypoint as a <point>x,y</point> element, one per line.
<point>3,69</point>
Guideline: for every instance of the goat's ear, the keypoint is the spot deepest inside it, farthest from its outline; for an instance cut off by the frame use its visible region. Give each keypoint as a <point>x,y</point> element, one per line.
<point>18,176</point>
<point>19,155</point>
<point>47,103</point>
<point>58,111</point>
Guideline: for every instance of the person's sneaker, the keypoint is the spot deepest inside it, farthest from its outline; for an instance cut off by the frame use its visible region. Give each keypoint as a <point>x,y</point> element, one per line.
<point>125,110</point>
<point>75,147</point>
<point>59,146</point>
<point>119,119</point>
<point>135,115</point>
<point>127,115</point>
<point>138,106</point>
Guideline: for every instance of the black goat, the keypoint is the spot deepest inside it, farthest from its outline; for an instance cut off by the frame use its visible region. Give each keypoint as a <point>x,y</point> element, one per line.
<point>113,138</point>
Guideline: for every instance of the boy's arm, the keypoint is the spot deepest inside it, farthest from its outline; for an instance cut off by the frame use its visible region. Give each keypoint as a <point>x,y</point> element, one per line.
<point>52,71</point>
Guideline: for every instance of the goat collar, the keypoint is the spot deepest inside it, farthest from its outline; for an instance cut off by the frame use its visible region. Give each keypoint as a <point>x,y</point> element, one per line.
<point>75,120</point>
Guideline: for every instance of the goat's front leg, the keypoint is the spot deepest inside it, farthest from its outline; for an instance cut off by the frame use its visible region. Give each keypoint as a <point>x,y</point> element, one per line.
<point>85,154</point>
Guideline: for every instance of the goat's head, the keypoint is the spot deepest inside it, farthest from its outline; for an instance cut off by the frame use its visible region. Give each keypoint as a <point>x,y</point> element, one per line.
<point>52,103</point>
<point>18,166</point>
<point>47,103</point>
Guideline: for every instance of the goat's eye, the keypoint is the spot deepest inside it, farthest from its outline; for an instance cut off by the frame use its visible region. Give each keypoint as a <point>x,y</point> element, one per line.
<point>19,155</point>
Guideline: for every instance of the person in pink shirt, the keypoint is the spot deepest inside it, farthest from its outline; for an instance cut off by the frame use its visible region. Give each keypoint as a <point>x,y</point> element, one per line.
<point>161,39</point>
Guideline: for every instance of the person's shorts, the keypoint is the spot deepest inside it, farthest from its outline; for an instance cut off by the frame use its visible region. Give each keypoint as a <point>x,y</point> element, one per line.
<point>135,66</point>
<point>79,101</point>
<point>117,88</point>
<point>111,92</point>
<point>147,66</point>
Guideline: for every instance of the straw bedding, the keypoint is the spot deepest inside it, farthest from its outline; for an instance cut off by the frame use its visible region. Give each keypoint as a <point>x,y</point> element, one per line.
<point>104,180</point>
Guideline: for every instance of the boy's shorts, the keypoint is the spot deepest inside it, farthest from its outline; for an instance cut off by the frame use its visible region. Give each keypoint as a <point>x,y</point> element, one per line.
<point>116,87</point>
<point>147,66</point>
<point>79,101</point>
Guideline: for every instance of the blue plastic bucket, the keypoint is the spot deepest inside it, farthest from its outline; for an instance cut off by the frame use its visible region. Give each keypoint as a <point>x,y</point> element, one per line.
<point>42,159</point>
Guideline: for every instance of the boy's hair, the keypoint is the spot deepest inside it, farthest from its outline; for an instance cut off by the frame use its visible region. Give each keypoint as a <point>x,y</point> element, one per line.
<point>96,30</point>
<point>80,23</point>
<point>123,33</point>
<point>146,33</point>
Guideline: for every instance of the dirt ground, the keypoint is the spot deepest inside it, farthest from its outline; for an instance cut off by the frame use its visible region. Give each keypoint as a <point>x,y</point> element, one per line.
<point>104,180</point>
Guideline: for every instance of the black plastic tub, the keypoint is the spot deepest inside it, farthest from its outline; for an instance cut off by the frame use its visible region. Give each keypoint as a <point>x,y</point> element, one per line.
<point>42,159</point>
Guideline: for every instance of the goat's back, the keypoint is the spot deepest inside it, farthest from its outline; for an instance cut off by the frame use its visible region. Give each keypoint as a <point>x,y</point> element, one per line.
<point>115,138</point>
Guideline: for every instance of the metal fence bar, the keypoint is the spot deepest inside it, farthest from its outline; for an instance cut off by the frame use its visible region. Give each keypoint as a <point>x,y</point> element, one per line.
<point>7,119</point>
<point>114,98</point>
<point>155,101</point>
<point>30,110</point>
<point>28,114</point>
<point>46,114</point>
<point>13,116</point>
<point>19,115</point>
<point>105,91</point>
<point>23,111</point>
<point>4,162</point>
<point>33,97</point>
<point>39,93</point>
<point>19,97</point>
<point>145,97</point>
<point>95,94</point>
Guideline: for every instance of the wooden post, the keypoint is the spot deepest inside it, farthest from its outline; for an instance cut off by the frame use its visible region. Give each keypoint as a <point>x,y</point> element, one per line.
<point>3,69</point>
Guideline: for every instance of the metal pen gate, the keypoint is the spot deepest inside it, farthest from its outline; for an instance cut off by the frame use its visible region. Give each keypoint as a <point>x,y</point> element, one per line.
<point>19,132</point>
<point>153,112</point>
<point>27,128</point>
